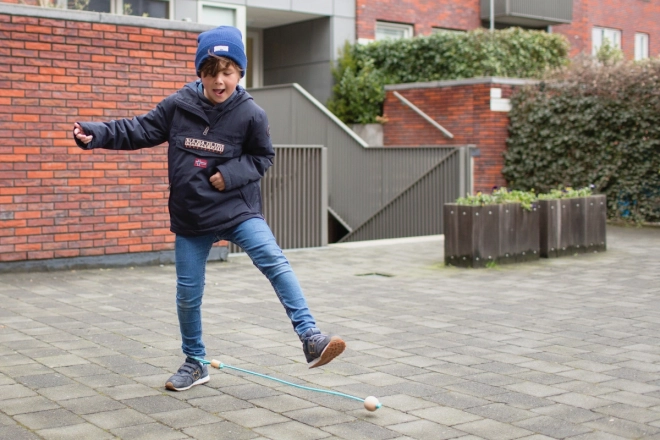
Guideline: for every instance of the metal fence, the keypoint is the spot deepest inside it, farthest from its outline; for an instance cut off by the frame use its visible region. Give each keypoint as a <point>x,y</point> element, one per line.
<point>374,192</point>
<point>416,209</point>
<point>295,197</point>
<point>550,11</point>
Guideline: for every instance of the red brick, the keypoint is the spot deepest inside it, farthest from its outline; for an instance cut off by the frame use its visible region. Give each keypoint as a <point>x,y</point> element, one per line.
<point>42,255</point>
<point>26,118</point>
<point>104,27</point>
<point>116,249</point>
<point>27,231</point>
<point>52,23</point>
<point>12,93</point>
<point>69,253</point>
<point>140,38</point>
<point>65,79</point>
<point>90,112</point>
<point>7,254</point>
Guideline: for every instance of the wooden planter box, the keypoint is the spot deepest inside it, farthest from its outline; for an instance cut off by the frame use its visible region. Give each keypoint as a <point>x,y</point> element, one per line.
<point>478,235</point>
<point>572,226</point>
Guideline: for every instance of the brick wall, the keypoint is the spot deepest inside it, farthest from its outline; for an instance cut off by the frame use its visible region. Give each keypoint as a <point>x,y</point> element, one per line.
<point>629,16</point>
<point>57,201</point>
<point>425,15</point>
<point>464,110</point>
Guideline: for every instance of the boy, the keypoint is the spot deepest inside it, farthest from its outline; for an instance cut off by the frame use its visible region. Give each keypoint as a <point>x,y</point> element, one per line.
<point>219,149</point>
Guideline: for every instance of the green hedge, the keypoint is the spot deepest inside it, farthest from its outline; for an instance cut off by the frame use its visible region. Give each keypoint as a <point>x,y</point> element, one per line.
<point>363,70</point>
<point>594,124</point>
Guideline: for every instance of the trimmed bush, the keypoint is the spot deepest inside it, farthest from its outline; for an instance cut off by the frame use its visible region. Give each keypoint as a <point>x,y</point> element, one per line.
<point>363,70</point>
<point>595,124</point>
<point>363,84</point>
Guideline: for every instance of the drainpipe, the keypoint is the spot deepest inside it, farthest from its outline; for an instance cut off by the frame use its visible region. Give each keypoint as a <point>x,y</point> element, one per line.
<point>492,15</point>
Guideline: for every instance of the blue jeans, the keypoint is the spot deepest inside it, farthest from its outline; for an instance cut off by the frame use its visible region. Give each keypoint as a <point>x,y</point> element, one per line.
<point>256,239</point>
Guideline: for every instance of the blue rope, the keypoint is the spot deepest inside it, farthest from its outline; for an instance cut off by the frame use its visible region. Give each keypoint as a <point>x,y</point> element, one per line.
<point>335,393</point>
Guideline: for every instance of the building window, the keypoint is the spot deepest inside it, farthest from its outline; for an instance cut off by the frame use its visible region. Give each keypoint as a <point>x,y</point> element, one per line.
<point>147,8</point>
<point>140,8</point>
<point>218,14</point>
<point>393,31</point>
<point>600,35</point>
<point>91,5</point>
<point>641,46</point>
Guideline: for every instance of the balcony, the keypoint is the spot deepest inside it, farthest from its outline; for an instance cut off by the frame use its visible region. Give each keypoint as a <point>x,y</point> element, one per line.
<point>528,13</point>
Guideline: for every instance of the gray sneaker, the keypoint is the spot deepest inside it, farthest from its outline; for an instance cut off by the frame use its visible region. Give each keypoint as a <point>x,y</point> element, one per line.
<point>319,348</point>
<point>191,373</point>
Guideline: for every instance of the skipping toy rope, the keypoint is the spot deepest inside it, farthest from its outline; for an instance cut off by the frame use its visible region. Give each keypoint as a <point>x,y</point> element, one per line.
<point>371,403</point>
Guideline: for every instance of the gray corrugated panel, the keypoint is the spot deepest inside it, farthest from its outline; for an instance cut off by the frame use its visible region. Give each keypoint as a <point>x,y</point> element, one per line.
<point>418,209</point>
<point>560,10</point>
<point>294,197</point>
<point>541,11</point>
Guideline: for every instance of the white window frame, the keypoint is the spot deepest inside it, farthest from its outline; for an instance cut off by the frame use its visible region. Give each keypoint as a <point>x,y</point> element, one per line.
<point>240,11</point>
<point>600,34</point>
<point>240,17</point>
<point>255,64</point>
<point>117,7</point>
<point>407,29</point>
<point>641,46</point>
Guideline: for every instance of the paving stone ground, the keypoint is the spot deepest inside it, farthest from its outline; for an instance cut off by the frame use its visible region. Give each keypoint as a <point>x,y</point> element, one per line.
<point>566,348</point>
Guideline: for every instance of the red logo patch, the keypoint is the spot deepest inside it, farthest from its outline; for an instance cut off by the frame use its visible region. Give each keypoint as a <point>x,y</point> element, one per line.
<point>201,163</point>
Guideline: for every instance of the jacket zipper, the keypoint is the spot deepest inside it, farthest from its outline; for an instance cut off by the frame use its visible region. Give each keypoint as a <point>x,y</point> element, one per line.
<point>191,109</point>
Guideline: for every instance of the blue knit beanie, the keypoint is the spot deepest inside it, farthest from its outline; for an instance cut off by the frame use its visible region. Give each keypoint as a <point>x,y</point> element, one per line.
<point>224,41</point>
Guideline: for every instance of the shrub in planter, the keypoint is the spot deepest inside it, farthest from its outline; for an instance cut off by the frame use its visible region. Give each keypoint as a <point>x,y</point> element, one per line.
<point>514,226</point>
<point>484,229</point>
<point>572,221</point>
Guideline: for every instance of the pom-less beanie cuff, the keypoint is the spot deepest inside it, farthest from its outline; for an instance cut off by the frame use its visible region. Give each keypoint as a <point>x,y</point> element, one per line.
<point>223,41</point>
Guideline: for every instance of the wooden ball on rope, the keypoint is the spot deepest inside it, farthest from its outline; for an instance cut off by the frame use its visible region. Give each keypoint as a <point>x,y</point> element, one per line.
<point>371,403</point>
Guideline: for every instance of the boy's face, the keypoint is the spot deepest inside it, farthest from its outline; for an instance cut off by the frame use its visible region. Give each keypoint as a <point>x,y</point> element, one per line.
<point>220,87</point>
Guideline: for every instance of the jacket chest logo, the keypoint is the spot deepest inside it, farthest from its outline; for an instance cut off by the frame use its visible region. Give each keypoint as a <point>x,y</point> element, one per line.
<point>201,163</point>
<point>198,144</point>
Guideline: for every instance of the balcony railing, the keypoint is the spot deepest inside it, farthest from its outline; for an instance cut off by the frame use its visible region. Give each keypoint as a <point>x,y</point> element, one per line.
<point>529,13</point>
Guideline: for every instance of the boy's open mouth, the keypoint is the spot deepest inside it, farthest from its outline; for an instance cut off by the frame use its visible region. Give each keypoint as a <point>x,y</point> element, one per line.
<point>218,92</point>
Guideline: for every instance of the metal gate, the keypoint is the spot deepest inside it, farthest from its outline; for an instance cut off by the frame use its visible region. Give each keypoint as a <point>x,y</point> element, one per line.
<point>295,197</point>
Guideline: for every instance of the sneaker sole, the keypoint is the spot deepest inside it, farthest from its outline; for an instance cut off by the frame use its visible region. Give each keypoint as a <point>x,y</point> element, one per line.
<point>170,385</point>
<point>334,348</point>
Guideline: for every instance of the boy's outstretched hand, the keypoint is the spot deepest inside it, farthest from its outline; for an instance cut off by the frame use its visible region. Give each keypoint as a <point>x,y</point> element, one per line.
<point>80,134</point>
<point>217,181</point>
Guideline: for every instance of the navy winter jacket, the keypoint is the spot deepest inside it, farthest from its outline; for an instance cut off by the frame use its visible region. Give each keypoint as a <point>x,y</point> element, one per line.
<point>237,144</point>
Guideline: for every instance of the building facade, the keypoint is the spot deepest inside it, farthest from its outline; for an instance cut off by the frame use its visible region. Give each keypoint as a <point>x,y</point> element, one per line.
<point>286,40</point>
<point>298,40</point>
<point>631,25</point>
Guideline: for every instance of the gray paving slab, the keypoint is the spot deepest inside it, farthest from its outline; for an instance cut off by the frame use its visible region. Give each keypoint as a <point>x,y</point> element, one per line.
<point>561,348</point>
<point>80,431</point>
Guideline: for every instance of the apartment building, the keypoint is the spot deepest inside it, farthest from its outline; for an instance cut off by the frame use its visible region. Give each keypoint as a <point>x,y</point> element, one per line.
<point>631,25</point>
